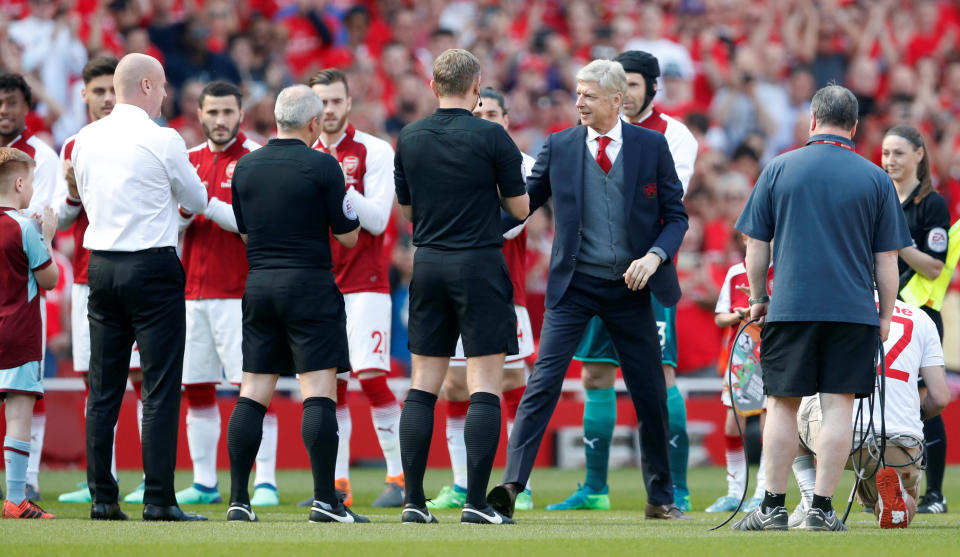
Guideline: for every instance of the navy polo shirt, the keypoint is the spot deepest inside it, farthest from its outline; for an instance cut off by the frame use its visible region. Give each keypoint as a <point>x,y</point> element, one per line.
<point>827,211</point>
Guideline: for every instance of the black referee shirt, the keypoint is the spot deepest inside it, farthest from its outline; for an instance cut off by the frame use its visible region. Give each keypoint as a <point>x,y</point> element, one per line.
<point>448,167</point>
<point>288,198</point>
<point>929,223</point>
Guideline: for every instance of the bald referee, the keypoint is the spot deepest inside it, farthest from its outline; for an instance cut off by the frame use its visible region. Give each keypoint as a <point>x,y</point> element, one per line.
<point>453,173</point>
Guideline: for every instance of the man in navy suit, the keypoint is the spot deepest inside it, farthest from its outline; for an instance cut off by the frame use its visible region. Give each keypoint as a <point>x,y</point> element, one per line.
<point>619,222</point>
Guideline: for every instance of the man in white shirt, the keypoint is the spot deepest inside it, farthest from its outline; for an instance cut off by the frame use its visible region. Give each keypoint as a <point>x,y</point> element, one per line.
<point>131,175</point>
<point>912,351</point>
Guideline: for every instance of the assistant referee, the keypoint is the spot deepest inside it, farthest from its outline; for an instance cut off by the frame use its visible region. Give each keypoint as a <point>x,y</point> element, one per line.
<point>453,172</point>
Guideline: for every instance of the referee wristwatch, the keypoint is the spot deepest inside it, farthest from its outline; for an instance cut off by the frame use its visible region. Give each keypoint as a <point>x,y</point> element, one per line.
<point>760,300</point>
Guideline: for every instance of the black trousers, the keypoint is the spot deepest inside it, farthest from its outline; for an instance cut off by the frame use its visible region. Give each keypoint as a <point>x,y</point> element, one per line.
<point>628,317</point>
<point>135,296</point>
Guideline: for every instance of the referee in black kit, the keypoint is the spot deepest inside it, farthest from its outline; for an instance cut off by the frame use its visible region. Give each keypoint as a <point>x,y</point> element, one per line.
<point>287,199</point>
<point>453,172</point>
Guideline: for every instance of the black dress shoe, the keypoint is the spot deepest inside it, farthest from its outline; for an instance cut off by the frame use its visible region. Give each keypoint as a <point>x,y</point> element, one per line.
<point>173,513</point>
<point>502,498</point>
<point>107,511</point>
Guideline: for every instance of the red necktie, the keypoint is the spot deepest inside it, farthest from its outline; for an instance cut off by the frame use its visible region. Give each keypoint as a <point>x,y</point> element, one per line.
<point>602,159</point>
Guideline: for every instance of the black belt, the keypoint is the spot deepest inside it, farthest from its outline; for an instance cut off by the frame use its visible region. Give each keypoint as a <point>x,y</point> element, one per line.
<point>165,249</point>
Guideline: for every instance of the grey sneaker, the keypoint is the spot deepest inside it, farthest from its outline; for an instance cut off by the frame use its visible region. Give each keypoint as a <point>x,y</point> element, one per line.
<point>799,515</point>
<point>241,512</point>
<point>775,519</point>
<point>32,493</point>
<point>819,521</point>
<point>391,496</point>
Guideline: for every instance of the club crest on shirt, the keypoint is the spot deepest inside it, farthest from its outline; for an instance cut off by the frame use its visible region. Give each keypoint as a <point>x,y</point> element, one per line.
<point>937,239</point>
<point>348,210</point>
<point>650,190</point>
<point>350,164</point>
<point>230,168</point>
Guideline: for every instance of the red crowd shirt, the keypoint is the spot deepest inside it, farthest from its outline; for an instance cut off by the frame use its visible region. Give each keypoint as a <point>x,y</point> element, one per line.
<point>215,260</point>
<point>367,164</point>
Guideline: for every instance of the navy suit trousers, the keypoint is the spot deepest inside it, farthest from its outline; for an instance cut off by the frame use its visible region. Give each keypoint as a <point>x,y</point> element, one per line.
<point>628,316</point>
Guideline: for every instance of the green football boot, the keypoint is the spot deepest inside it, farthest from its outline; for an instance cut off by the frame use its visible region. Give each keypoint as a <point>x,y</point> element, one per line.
<point>586,499</point>
<point>265,495</point>
<point>449,498</point>
<point>524,501</point>
<point>81,495</point>
<point>198,494</point>
<point>136,496</point>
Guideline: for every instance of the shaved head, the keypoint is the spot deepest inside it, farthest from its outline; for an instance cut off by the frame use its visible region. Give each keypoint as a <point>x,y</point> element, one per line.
<point>140,81</point>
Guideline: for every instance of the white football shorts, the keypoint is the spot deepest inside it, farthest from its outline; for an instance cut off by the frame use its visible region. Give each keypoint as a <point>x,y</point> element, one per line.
<point>214,336</point>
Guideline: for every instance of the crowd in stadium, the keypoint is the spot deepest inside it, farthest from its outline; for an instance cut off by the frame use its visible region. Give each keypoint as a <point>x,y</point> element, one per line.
<point>739,74</point>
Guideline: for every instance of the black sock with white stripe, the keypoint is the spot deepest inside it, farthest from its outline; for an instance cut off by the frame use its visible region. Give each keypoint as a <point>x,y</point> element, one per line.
<point>321,438</point>
<point>243,442</point>
<point>481,434</point>
<point>416,430</point>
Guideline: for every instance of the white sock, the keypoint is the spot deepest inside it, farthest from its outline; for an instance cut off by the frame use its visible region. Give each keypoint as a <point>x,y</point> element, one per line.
<point>267,455</point>
<point>458,451</point>
<point>345,425</point>
<point>386,422</point>
<point>806,474</point>
<point>736,472</point>
<point>113,456</point>
<point>38,428</point>
<point>761,478</point>
<point>140,419</point>
<point>203,436</point>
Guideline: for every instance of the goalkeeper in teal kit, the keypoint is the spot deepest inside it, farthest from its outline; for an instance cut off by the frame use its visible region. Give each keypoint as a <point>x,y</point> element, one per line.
<point>596,350</point>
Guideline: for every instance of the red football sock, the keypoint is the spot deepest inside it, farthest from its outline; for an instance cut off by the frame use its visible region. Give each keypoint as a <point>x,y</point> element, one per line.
<point>377,391</point>
<point>203,395</point>
<point>341,393</point>
<point>457,408</point>
<point>511,400</point>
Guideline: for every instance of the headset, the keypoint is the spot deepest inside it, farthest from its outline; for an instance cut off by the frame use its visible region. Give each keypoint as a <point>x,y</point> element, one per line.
<point>867,436</point>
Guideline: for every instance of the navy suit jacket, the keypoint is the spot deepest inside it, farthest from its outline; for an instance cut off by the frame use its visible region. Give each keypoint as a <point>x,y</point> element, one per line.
<point>653,195</point>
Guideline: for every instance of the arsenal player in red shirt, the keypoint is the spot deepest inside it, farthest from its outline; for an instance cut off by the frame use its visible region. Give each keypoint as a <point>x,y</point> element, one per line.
<point>361,274</point>
<point>215,262</point>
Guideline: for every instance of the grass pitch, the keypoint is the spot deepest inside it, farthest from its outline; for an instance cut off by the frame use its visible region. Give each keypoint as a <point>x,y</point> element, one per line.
<point>284,530</point>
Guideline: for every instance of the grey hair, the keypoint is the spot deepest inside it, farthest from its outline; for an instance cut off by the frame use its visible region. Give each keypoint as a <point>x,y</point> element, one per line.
<point>609,75</point>
<point>835,105</point>
<point>454,71</point>
<point>296,106</point>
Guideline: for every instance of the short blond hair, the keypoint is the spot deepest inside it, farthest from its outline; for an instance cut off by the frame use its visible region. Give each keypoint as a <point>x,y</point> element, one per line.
<point>609,75</point>
<point>454,71</point>
<point>14,163</point>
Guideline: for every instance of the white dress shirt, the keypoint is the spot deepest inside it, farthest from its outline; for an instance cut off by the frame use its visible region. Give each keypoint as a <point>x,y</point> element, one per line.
<point>132,174</point>
<point>613,148</point>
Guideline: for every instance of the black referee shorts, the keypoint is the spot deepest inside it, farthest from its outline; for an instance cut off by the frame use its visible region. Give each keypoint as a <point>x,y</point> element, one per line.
<point>802,358</point>
<point>293,322</point>
<point>464,293</point>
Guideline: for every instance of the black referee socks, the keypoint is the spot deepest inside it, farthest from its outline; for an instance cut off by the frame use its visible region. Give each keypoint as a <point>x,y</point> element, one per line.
<point>481,434</point>
<point>321,438</point>
<point>243,442</point>
<point>416,429</point>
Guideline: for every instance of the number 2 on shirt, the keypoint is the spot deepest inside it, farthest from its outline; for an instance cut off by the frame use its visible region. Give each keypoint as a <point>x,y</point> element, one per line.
<point>898,349</point>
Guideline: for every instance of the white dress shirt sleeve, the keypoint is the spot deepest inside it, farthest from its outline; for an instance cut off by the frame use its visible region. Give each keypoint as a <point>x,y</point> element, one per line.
<point>184,182</point>
<point>374,205</point>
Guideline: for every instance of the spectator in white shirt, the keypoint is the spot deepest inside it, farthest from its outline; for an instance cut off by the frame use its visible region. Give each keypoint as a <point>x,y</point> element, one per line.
<point>131,175</point>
